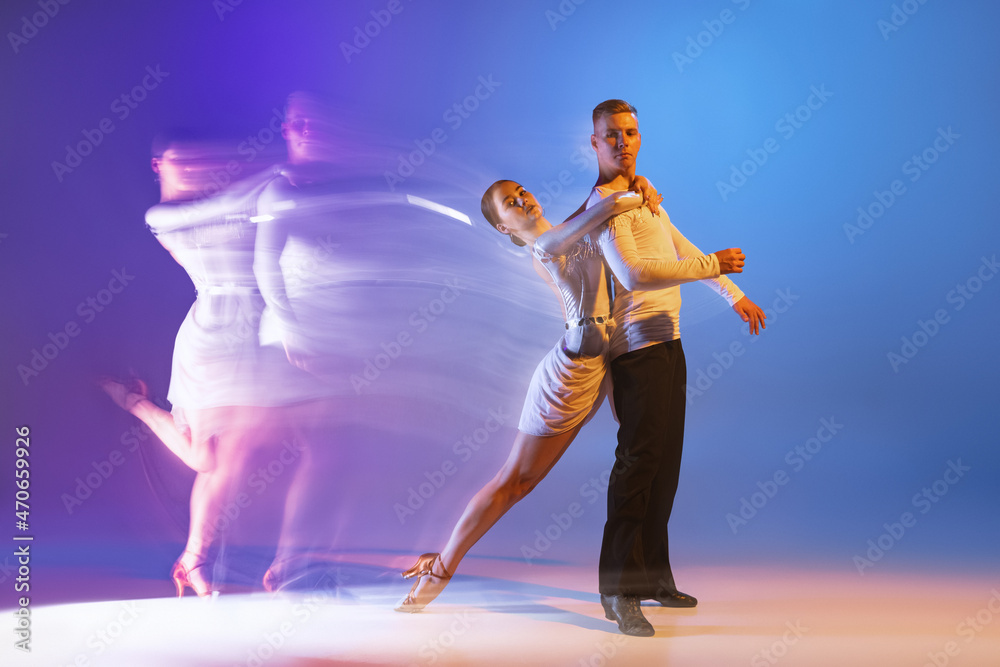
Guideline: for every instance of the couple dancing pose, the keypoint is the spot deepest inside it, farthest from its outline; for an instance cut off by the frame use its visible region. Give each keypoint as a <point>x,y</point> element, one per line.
<point>237,402</point>
<point>633,333</point>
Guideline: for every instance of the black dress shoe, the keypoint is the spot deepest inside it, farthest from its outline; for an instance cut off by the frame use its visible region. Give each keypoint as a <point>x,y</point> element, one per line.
<point>676,599</point>
<point>624,610</point>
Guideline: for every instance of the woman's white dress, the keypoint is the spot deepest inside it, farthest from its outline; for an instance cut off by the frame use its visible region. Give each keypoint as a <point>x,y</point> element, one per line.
<point>218,359</point>
<point>568,386</point>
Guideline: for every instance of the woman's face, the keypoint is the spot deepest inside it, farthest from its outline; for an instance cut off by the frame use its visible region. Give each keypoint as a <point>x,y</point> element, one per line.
<point>517,208</point>
<point>186,169</point>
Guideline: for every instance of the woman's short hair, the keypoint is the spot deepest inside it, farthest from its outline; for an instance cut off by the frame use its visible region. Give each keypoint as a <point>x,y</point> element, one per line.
<point>164,139</point>
<point>490,212</point>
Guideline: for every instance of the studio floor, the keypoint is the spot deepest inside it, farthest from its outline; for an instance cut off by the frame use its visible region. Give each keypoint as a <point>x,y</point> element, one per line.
<point>505,613</point>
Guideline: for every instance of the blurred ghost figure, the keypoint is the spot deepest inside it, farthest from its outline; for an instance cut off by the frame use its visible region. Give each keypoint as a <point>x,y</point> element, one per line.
<point>380,295</point>
<point>300,267</point>
<point>233,400</point>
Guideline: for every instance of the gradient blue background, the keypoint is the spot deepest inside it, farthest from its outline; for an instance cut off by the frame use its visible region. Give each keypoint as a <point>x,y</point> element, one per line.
<point>825,356</point>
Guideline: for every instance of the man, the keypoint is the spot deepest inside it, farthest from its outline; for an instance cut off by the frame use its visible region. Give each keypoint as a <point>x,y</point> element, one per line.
<point>646,252</point>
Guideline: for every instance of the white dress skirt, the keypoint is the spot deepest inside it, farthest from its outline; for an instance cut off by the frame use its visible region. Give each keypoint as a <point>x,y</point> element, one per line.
<point>218,360</point>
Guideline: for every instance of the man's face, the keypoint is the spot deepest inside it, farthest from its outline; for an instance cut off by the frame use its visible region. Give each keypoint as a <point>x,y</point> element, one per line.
<point>616,139</point>
<point>308,131</point>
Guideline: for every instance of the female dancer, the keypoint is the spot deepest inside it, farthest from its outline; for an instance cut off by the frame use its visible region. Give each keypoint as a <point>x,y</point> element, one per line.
<point>229,394</point>
<point>566,387</point>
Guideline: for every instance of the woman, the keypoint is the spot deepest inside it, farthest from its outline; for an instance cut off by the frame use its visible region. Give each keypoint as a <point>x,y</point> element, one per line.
<point>566,387</point>
<point>233,400</point>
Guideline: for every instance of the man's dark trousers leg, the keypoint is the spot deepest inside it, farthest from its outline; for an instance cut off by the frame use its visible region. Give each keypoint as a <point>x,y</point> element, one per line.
<point>649,399</point>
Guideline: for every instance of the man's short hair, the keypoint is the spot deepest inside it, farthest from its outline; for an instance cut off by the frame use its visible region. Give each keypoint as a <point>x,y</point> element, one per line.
<point>310,97</point>
<point>609,107</point>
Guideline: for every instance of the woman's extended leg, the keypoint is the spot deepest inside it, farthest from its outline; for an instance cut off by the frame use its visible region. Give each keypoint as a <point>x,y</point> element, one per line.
<point>197,455</point>
<point>530,459</point>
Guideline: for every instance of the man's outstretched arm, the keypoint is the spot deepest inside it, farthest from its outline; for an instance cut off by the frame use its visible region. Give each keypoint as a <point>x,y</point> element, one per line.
<point>751,312</point>
<point>639,273</point>
<point>734,258</point>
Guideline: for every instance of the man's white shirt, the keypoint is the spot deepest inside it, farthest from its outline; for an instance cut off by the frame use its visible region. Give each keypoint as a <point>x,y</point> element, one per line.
<point>650,259</point>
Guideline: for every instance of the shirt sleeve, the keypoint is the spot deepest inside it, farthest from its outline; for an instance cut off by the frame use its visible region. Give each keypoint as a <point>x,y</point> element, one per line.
<point>722,285</point>
<point>239,199</point>
<point>639,273</point>
<point>272,234</point>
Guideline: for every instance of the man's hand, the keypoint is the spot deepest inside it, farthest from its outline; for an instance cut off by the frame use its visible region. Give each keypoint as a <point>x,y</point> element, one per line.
<point>296,352</point>
<point>750,312</point>
<point>731,260</point>
<point>650,197</point>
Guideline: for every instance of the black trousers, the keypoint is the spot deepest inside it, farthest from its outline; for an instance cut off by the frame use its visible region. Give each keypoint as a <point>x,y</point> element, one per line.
<point>649,399</point>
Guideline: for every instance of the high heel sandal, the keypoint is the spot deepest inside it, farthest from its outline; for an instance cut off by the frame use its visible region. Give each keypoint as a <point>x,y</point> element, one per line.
<point>273,580</point>
<point>424,567</point>
<point>302,572</point>
<point>125,394</point>
<point>185,577</point>
<point>284,571</point>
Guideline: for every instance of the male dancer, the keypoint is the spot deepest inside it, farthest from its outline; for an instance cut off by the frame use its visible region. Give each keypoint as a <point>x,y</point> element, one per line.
<point>649,377</point>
